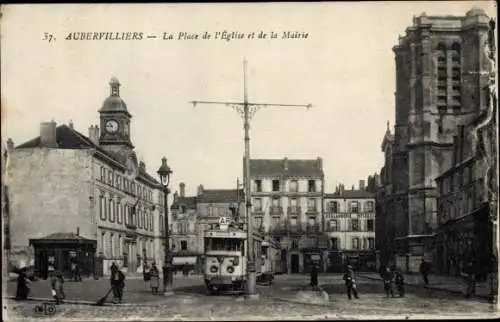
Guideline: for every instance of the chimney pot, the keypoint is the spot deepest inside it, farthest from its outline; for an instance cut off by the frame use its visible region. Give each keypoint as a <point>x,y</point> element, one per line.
<point>320,163</point>
<point>285,163</point>
<point>70,124</point>
<point>200,190</point>
<point>78,231</point>
<point>48,134</point>
<point>182,189</point>
<point>94,134</point>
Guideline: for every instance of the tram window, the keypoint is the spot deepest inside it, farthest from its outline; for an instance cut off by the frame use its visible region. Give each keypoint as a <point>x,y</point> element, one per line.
<point>264,251</point>
<point>225,244</point>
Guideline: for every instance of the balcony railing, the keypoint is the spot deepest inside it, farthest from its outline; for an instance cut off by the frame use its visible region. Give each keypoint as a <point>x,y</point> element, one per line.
<point>284,230</point>
<point>294,210</point>
<point>276,210</point>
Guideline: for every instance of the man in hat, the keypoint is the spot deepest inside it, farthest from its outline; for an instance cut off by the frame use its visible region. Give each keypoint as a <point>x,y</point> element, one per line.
<point>117,283</point>
<point>350,283</point>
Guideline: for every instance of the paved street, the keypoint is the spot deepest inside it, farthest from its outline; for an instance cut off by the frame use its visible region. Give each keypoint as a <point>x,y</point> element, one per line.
<point>288,298</point>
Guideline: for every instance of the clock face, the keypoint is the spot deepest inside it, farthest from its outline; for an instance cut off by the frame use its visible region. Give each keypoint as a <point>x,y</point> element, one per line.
<point>111,126</point>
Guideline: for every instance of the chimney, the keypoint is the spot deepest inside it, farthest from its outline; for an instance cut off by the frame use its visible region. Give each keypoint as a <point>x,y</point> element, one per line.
<point>176,196</point>
<point>361,184</point>
<point>48,134</point>
<point>78,231</point>
<point>285,163</point>
<point>320,163</point>
<point>94,134</point>
<point>71,124</point>
<point>142,165</point>
<point>182,189</point>
<point>200,190</point>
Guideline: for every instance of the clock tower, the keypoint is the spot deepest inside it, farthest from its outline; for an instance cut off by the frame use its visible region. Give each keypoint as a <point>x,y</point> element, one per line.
<point>115,122</point>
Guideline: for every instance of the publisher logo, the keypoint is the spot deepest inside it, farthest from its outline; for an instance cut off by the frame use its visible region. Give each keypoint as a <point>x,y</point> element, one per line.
<point>45,309</point>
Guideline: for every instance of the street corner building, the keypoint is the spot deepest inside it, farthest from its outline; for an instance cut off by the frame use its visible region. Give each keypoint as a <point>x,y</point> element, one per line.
<point>193,215</point>
<point>84,199</point>
<point>350,226</point>
<point>442,88</point>
<point>287,204</point>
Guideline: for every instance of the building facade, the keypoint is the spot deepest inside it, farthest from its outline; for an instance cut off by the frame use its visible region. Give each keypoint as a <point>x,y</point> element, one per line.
<point>193,215</point>
<point>439,85</point>
<point>287,203</point>
<point>350,226</point>
<point>65,182</point>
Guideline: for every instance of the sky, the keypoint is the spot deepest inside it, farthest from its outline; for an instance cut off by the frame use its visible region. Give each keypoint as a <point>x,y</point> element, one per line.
<point>344,68</point>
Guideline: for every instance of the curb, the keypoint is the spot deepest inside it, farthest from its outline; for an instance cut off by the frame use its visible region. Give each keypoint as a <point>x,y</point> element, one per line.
<point>89,303</point>
<point>437,288</point>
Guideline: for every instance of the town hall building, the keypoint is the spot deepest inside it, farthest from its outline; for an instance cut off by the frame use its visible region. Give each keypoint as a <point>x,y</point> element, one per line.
<point>85,199</point>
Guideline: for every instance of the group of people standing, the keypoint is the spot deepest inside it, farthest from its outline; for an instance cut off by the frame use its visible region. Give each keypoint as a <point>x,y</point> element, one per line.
<point>152,275</point>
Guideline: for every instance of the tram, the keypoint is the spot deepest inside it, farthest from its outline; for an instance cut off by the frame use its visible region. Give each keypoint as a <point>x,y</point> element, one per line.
<point>225,258</point>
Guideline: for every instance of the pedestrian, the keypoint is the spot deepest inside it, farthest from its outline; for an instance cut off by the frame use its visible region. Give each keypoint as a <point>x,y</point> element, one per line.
<point>146,273</point>
<point>117,283</point>
<point>350,283</point>
<point>78,272</point>
<point>469,273</point>
<point>424,271</point>
<point>185,269</point>
<point>399,280</point>
<point>23,283</point>
<point>57,282</point>
<point>154,274</point>
<point>314,275</point>
<point>388,276</point>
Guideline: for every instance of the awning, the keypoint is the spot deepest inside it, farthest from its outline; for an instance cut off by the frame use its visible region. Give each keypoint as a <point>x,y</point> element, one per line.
<point>178,260</point>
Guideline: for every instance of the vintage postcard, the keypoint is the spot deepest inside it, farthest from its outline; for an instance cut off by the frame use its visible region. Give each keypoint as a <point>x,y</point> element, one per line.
<point>249,161</point>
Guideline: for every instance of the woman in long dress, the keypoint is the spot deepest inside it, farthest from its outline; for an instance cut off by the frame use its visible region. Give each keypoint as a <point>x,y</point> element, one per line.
<point>154,278</point>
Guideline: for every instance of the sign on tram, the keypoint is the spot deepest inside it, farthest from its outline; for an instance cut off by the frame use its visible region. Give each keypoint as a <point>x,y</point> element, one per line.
<point>224,222</point>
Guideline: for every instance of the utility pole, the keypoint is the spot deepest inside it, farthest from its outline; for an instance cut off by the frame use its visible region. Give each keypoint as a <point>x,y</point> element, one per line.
<point>247,110</point>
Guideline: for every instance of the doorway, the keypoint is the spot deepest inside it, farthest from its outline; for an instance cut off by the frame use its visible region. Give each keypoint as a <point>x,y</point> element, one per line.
<point>294,263</point>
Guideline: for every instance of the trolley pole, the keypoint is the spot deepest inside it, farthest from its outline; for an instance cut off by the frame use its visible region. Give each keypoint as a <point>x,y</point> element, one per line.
<point>247,110</point>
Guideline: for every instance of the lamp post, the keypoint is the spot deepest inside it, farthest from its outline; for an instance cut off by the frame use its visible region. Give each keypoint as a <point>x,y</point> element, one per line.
<point>164,172</point>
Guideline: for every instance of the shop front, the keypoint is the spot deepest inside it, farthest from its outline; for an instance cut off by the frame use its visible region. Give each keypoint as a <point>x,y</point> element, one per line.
<point>58,251</point>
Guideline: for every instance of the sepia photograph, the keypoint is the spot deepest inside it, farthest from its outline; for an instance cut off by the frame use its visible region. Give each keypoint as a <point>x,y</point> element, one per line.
<point>249,161</point>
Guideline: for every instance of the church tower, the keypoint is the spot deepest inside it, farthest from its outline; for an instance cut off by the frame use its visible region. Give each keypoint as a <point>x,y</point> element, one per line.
<point>115,122</point>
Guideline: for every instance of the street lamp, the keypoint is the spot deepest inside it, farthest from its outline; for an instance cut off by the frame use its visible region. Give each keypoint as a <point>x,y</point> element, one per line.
<point>164,172</point>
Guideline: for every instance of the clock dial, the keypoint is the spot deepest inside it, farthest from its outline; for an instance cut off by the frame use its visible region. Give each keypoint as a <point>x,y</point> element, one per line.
<point>111,126</point>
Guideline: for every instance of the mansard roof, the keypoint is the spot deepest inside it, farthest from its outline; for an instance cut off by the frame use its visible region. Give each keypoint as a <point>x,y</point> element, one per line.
<point>286,167</point>
<point>221,195</point>
<point>68,138</point>
<point>350,194</point>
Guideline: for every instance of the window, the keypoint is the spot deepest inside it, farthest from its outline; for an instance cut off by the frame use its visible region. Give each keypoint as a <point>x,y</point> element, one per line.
<point>354,225</point>
<point>111,210</point>
<point>110,178</point>
<point>369,206</point>
<point>312,221</point>
<point>184,245</point>
<point>295,243</point>
<point>369,225</point>
<point>334,225</point>
<point>258,185</point>
<point>311,185</point>
<point>311,204</point>
<point>335,243</point>
<point>146,219</point>
<point>293,222</point>
<point>354,207</point>
<point>371,243</point>
<point>226,244</point>
<point>151,222</point>
<point>102,207</point>
<point>334,207</point>
<point>162,223</point>
<point>257,222</point>
<point>125,184</point>
<point>355,243</point>
<point>294,186</point>
<point>118,181</point>
<point>275,221</point>
<point>132,187</point>
<point>276,185</point>
<point>103,174</point>
<point>257,204</point>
